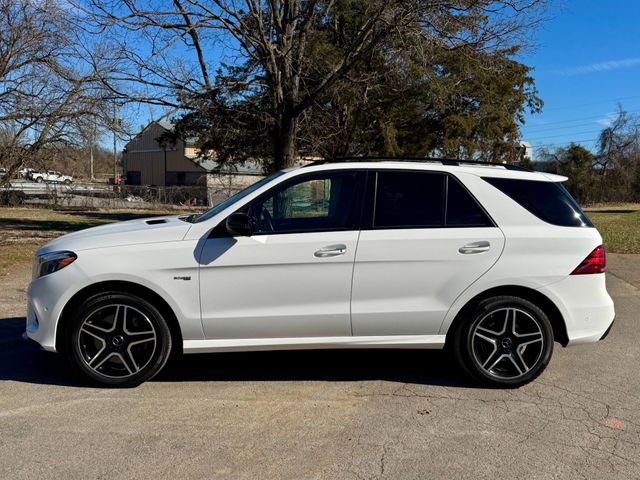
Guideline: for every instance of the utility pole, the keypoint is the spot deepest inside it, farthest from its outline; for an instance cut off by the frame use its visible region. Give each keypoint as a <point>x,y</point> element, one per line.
<point>93,140</point>
<point>91,162</point>
<point>115,152</point>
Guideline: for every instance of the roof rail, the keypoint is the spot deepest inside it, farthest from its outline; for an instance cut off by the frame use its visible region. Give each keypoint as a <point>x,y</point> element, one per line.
<point>442,161</point>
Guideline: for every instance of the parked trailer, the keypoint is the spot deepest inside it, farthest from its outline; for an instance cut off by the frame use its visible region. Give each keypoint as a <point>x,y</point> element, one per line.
<point>17,192</point>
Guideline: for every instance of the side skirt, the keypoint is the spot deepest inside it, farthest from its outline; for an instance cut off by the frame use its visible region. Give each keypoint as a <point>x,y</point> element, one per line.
<point>304,343</point>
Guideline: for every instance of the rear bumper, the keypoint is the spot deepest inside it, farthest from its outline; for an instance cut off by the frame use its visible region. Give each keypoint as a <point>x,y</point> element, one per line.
<point>606,333</point>
<point>585,305</point>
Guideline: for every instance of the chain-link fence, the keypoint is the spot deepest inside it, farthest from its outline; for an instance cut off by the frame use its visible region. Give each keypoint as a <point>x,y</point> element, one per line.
<point>114,197</point>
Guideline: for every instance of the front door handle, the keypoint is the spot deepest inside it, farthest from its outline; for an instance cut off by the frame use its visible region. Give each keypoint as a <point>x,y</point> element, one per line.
<point>331,251</point>
<point>475,247</point>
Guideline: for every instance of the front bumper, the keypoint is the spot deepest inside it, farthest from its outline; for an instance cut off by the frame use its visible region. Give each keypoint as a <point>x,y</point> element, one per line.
<point>41,324</point>
<point>46,299</point>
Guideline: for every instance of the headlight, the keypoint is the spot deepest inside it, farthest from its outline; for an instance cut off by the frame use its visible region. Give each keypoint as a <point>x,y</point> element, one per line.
<point>52,262</point>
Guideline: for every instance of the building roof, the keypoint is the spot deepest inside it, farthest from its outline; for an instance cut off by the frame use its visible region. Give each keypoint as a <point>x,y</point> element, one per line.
<point>250,167</point>
<point>166,125</point>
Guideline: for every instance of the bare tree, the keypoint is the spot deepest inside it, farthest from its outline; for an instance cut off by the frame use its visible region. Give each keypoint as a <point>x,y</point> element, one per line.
<point>170,50</point>
<point>46,88</point>
<point>618,149</point>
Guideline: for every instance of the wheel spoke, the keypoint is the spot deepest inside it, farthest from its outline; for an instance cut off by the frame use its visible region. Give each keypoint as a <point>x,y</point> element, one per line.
<point>94,331</point>
<point>518,362</point>
<point>127,360</point>
<point>120,319</point>
<point>527,339</point>
<point>141,337</point>
<point>510,322</point>
<point>530,336</point>
<point>100,357</point>
<point>487,333</point>
<point>491,340</point>
<point>493,359</point>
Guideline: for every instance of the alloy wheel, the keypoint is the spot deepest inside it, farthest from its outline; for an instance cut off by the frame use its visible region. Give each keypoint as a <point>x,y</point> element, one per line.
<point>507,343</point>
<point>117,340</point>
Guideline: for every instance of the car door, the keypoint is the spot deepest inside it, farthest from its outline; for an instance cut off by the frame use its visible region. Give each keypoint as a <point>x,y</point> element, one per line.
<point>426,240</point>
<point>292,276</point>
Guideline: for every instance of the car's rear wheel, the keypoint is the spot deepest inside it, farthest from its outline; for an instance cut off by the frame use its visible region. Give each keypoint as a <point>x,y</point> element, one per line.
<point>39,179</point>
<point>506,342</point>
<point>118,339</point>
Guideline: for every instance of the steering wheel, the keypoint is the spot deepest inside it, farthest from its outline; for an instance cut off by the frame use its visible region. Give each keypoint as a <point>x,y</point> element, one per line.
<point>263,219</point>
<point>267,219</point>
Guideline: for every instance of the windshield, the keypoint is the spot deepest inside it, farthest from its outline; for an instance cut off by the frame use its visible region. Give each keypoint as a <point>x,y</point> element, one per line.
<point>234,198</point>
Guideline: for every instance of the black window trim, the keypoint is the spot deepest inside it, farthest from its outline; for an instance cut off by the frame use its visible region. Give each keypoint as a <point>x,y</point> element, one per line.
<point>368,222</point>
<point>220,230</point>
<point>368,202</point>
<point>492,222</point>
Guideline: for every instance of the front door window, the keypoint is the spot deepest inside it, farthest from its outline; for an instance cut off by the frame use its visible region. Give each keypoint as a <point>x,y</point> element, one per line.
<point>316,203</point>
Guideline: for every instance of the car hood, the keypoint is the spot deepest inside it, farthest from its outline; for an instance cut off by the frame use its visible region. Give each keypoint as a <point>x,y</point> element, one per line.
<point>132,232</point>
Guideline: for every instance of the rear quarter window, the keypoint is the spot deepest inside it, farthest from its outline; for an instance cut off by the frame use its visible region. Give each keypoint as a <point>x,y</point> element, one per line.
<point>549,201</point>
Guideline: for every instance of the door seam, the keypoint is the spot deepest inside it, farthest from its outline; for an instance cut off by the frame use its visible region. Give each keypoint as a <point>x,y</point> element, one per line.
<point>353,271</point>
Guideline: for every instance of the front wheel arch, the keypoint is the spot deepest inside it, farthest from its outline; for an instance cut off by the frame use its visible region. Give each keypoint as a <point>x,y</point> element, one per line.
<point>124,287</point>
<point>542,301</point>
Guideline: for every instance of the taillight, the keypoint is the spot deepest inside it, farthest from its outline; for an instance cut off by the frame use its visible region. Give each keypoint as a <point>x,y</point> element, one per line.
<point>594,263</point>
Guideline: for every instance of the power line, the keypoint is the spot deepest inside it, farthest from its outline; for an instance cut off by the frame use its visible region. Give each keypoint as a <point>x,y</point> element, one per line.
<point>535,139</point>
<point>559,122</point>
<point>562,128</point>
<point>600,102</point>
<point>562,144</point>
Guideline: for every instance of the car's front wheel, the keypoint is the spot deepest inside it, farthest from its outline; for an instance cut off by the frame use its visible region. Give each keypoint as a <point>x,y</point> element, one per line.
<point>506,342</point>
<point>118,339</point>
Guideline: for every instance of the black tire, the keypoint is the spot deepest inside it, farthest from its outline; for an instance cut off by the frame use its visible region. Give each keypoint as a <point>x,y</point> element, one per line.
<point>509,358</point>
<point>67,182</point>
<point>134,351</point>
<point>39,180</point>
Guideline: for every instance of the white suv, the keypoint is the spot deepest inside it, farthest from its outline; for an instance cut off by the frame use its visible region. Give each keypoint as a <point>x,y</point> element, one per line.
<point>489,261</point>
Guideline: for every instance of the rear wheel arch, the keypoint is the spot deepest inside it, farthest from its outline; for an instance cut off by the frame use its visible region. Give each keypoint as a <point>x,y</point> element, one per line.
<point>542,301</point>
<point>121,287</point>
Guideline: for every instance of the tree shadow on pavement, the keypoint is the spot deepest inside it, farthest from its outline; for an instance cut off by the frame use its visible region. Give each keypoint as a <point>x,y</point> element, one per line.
<point>24,361</point>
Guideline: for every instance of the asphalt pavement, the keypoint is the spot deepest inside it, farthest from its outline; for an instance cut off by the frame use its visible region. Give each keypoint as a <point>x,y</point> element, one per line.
<point>326,414</point>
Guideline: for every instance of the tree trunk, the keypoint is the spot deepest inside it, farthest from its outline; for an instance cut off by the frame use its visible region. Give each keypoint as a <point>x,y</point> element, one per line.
<point>284,142</point>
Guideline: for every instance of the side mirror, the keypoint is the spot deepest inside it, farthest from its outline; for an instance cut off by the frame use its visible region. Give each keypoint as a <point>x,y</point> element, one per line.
<point>239,225</point>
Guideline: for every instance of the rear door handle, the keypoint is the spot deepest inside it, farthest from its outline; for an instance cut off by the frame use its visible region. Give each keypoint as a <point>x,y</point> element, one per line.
<point>331,251</point>
<point>475,247</point>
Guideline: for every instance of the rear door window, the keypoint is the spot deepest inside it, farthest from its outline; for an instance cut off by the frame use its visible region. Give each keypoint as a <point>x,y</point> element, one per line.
<point>462,209</point>
<point>549,201</point>
<point>409,199</point>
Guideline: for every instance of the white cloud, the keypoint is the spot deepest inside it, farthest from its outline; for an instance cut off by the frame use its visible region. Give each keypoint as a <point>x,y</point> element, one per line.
<point>600,67</point>
<point>608,119</point>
